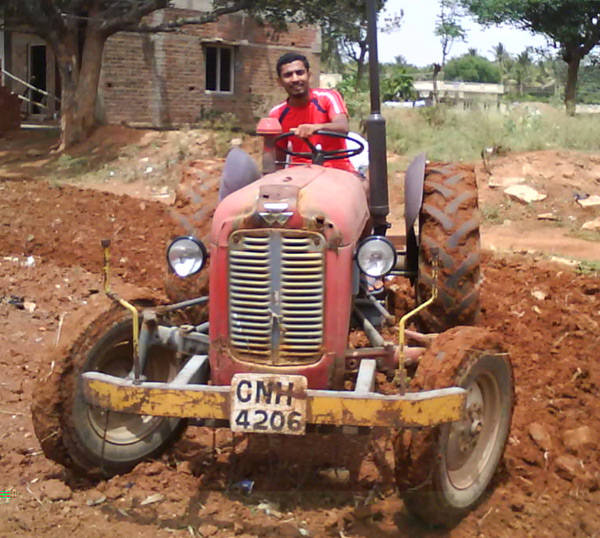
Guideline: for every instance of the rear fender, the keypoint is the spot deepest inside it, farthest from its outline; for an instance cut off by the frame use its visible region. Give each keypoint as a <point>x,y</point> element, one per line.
<point>413,199</point>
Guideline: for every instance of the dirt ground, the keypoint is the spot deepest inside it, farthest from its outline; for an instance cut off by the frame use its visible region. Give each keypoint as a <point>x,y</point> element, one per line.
<point>548,313</point>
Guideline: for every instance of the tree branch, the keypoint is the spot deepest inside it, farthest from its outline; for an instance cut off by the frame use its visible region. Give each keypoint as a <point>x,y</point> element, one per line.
<point>130,23</point>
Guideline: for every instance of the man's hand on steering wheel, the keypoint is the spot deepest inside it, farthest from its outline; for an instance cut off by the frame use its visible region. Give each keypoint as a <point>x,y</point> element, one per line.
<point>306,129</point>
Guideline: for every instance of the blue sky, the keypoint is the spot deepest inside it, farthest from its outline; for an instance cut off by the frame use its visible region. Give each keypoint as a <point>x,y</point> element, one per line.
<point>416,41</point>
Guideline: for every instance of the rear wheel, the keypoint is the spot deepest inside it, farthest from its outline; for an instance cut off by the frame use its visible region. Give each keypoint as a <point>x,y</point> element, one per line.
<point>99,441</point>
<point>444,472</point>
<point>449,224</point>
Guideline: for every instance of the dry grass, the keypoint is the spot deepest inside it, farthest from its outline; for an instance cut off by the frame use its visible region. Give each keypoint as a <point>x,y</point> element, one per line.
<point>449,134</point>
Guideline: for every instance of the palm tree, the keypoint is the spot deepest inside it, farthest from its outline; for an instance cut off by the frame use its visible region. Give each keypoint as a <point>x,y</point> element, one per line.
<point>522,68</point>
<point>501,57</point>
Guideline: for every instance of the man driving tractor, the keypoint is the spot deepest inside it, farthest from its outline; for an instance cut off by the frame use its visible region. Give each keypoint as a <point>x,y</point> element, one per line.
<point>305,111</point>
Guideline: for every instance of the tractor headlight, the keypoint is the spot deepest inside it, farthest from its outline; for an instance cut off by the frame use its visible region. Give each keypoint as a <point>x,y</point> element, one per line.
<point>186,256</point>
<point>376,256</point>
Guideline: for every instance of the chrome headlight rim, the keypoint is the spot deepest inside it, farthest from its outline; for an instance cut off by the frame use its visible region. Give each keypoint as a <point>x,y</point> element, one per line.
<point>200,260</point>
<point>386,244</point>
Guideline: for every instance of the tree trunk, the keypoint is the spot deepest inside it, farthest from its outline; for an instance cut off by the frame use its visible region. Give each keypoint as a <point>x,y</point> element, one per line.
<point>436,71</point>
<point>67,61</point>
<point>360,64</point>
<point>571,86</point>
<point>79,84</point>
<point>89,77</point>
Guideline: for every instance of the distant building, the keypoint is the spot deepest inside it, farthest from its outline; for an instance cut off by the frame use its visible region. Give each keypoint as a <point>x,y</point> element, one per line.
<point>465,94</point>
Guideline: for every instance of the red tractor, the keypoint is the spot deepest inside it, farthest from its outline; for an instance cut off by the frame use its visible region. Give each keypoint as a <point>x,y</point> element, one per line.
<point>289,255</point>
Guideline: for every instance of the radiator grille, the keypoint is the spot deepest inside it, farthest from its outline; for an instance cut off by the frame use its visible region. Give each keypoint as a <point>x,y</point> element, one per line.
<point>276,283</point>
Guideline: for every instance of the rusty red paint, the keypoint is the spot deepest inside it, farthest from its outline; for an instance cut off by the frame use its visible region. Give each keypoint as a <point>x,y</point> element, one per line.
<point>336,196</point>
<point>268,126</point>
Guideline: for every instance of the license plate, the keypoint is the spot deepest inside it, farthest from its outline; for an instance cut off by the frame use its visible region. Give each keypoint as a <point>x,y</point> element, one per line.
<point>268,403</point>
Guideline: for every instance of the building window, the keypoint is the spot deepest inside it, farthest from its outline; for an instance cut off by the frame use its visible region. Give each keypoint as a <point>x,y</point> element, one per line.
<point>219,69</point>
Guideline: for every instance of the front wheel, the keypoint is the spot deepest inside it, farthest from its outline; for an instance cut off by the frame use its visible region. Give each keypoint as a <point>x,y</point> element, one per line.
<point>93,439</point>
<point>444,472</point>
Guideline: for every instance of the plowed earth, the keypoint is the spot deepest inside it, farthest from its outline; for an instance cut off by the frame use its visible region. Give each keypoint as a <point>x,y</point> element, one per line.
<point>547,315</point>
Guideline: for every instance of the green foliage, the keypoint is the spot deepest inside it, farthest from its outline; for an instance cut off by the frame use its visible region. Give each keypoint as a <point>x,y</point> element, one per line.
<point>535,75</point>
<point>589,267</point>
<point>397,86</point>
<point>448,27</point>
<point>58,20</point>
<point>567,22</point>
<point>472,68</point>
<point>436,116</point>
<point>72,165</point>
<point>218,120</point>
<point>573,26</point>
<point>491,214</point>
<point>344,32</point>
<point>338,17</point>
<point>588,90</point>
<point>350,85</point>
<point>451,30</point>
<point>357,101</point>
<point>586,235</point>
<point>501,55</point>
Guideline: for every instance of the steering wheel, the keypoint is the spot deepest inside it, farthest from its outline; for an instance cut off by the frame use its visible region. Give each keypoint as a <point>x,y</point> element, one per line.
<point>317,155</point>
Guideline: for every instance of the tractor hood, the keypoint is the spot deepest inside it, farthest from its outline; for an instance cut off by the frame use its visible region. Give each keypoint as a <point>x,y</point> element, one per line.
<point>331,201</point>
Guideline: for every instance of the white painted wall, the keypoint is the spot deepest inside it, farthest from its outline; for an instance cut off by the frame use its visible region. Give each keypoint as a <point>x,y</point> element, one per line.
<point>199,5</point>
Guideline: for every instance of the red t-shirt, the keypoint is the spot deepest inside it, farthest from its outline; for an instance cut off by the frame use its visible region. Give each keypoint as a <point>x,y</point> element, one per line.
<point>322,107</point>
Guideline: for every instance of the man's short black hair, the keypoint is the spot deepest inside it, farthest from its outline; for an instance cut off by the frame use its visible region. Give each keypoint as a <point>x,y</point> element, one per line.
<point>290,57</point>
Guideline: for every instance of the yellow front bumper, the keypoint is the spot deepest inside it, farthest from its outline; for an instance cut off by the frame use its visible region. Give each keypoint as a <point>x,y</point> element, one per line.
<point>339,408</point>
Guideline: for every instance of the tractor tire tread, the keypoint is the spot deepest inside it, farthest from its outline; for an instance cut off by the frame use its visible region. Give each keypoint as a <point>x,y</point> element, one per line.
<point>449,222</point>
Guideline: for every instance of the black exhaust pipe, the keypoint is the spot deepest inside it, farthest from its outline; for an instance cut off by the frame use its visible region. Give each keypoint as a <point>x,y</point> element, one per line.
<point>378,184</point>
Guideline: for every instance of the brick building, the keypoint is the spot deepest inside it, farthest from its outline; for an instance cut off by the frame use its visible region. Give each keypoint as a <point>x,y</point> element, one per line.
<point>178,78</point>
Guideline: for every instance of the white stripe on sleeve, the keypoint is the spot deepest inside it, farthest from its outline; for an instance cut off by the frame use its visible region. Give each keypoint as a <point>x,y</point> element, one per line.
<point>333,99</point>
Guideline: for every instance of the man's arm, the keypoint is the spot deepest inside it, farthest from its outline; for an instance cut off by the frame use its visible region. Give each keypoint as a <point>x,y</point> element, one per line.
<point>280,155</point>
<point>338,124</point>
